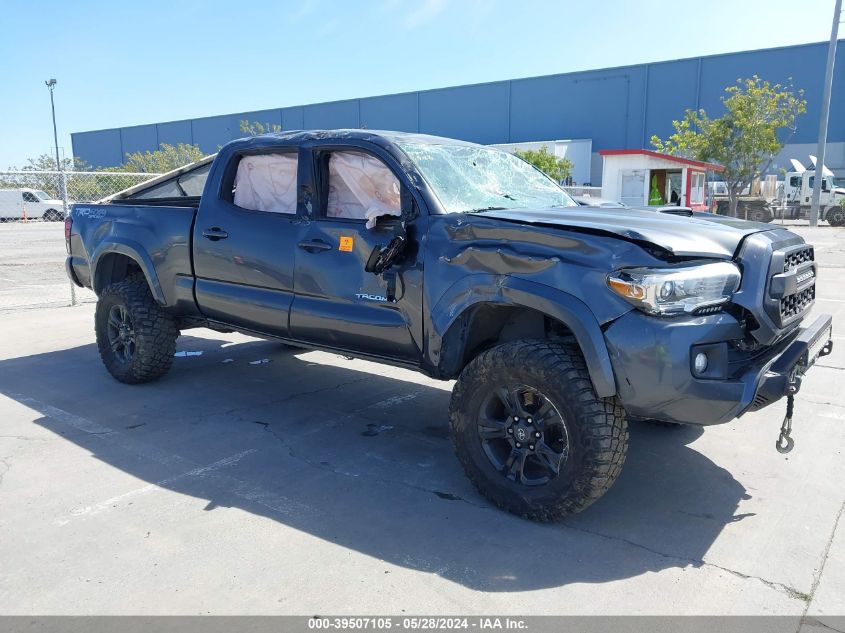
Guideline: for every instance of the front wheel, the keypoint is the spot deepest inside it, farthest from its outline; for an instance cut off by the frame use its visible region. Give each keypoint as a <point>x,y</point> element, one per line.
<point>531,433</point>
<point>135,337</point>
<point>53,216</point>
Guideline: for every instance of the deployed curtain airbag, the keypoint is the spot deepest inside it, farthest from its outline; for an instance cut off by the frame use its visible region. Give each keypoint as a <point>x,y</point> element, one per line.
<point>267,182</point>
<point>361,187</point>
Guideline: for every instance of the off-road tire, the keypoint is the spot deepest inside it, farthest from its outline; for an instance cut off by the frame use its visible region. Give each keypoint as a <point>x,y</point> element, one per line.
<point>597,428</point>
<point>155,332</point>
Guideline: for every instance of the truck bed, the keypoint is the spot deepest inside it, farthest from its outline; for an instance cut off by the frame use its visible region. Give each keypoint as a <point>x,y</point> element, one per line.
<point>154,233</point>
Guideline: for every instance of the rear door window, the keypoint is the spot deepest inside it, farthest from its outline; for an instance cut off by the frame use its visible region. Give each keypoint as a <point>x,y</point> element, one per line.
<point>267,182</point>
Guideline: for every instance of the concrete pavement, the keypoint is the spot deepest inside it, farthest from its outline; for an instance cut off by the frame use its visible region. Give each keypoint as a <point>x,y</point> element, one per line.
<point>259,479</point>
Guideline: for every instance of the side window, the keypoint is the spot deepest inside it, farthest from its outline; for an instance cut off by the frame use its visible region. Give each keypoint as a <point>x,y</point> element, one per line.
<point>361,187</point>
<point>267,182</point>
<point>30,197</point>
<point>188,184</point>
<point>795,181</point>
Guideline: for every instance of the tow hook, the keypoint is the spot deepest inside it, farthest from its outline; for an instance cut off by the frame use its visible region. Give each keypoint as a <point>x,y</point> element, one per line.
<point>784,442</point>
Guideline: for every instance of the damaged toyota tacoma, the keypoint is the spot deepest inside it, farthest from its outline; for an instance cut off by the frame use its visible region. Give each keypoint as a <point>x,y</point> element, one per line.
<point>559,323</point>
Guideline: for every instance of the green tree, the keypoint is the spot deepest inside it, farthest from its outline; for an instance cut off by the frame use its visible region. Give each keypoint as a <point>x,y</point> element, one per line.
<point>253,128</point>
<point>164,159</point>
<point>49,183</point>
<point>745,139</point>
<point>558,169</point>
<point>47,162</point>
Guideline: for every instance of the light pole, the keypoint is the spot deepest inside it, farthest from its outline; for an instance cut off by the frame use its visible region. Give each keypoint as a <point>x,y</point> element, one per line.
<point>828,83</point>
<point>51,83</point>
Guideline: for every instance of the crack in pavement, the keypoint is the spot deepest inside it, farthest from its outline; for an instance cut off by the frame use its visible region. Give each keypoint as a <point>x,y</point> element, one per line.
<point>818,576</point>
<point>777,586</point>
<point>5,462</point>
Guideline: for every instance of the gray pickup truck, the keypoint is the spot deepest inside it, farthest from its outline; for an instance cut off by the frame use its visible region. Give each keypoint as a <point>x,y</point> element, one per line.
<point>559,322</point>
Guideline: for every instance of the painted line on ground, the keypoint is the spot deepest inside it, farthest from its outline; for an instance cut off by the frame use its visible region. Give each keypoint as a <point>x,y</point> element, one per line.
<point>276,503</point>
<point>110,503</point>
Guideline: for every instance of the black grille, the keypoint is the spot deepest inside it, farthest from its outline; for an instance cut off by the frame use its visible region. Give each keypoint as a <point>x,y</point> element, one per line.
<point>796,258</point>
<point>797,303</point>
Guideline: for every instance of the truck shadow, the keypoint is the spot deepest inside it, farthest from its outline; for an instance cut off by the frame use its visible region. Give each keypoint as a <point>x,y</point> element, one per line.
<point>364,460</point>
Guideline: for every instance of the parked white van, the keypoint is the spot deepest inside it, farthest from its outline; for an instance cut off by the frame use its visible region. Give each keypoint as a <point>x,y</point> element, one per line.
<point>16,204</point>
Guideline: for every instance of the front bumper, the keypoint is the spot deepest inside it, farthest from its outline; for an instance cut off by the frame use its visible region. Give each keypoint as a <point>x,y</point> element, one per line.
<point>652,365</point>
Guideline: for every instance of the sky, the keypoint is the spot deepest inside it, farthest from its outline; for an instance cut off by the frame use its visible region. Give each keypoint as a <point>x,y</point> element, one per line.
<point>128,63</point>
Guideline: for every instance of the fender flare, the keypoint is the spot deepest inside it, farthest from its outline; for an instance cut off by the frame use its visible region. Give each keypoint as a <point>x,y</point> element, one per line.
<point>505,290</point>
<point>133,250</point>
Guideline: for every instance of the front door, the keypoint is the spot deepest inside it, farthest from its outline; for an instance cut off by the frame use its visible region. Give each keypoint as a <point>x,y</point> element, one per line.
<point>245,240</point>
<point>338,304</point>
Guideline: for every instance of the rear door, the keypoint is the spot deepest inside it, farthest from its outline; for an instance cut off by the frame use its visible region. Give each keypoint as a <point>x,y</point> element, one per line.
<point>245,236</point>
<point>338,304</point>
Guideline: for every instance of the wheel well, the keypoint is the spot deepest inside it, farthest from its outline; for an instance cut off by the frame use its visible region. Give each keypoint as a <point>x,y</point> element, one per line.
<point>483,326</point>
<point>114,267</point>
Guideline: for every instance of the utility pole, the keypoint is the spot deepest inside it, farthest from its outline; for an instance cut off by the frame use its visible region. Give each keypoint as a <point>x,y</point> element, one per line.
<point>828,82</point>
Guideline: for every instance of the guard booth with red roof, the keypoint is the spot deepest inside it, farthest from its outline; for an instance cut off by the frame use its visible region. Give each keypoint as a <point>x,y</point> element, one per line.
<point>640,177</point>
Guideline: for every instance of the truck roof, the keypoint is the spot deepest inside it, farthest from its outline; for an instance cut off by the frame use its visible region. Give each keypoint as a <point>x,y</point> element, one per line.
<point>379,137</point>
<point>385,136</point>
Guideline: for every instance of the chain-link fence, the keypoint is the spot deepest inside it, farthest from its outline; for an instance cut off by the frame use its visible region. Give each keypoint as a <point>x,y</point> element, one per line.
<point>32,245</point>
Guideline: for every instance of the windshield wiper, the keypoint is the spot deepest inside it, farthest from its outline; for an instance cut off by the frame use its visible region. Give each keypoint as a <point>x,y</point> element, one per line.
<point>483,209</point>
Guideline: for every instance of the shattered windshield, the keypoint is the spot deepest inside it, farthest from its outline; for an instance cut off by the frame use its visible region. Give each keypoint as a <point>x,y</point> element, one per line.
<point>469,179</point>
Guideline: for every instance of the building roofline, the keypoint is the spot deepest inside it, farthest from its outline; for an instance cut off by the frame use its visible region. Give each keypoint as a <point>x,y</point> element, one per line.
<point>668,157</point>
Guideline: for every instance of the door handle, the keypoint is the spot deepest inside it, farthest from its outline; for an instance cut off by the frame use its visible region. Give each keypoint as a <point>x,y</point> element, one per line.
<point>215,233</point>
<point>315,246</point>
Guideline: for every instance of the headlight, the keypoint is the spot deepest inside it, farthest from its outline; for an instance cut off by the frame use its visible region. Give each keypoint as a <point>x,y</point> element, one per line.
<point>670,291</point>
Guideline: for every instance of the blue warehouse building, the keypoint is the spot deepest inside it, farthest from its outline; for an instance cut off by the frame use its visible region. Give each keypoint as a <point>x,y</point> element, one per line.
<point>614,108</point>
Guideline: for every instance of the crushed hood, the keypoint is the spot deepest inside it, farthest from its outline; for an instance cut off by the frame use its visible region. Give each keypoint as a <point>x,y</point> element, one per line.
<point>702,235</point>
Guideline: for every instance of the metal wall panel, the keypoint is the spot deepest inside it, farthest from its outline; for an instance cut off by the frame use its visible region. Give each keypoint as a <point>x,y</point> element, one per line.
<point>672,88</point>
<point>100,149</point>
<point>804,64</point>
<point>472,113</point>
<point>329,116</point>
<point>583,105</point>
<point>140,138</point>
<point>293,118</point>
<point>392,112</point>
<point>175,132</point>
<point>616,108</point>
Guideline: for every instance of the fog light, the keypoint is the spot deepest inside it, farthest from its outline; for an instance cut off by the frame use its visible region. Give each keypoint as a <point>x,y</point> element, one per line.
<point>700,363</point>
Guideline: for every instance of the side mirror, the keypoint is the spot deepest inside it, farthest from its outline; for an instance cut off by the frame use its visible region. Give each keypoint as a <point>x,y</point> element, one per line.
<point>382,258</point>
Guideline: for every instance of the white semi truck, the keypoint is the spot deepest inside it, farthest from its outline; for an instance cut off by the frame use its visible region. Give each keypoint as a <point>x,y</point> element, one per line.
<point>796,194</point>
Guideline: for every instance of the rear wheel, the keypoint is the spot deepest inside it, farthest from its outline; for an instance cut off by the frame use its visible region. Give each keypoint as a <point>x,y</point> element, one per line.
<point>530,432</point>
<point>759,214</point>
<point>135,337</point>
<point>836,216</point>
